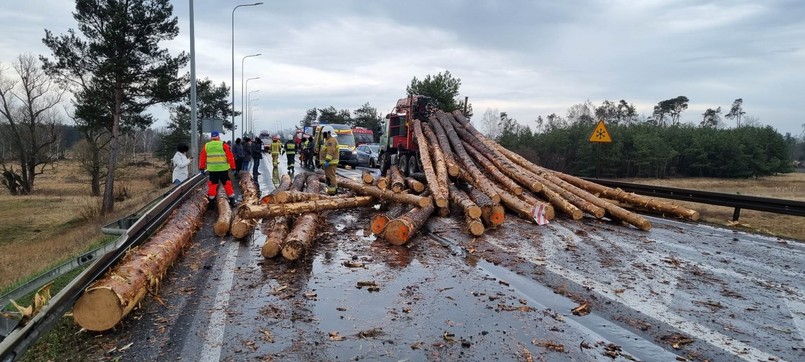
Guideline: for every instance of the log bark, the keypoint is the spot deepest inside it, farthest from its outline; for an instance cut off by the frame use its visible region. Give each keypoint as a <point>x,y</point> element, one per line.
<point>271,210</point>
<point>224,220</point>
<point>465,161</point>
<point>396,179</point>
<point>367,177</point>
<point>472,212</point>
<point>289,196</point>
<point>427,166</point>
<point>400,230</point>
<point>109,299</point>
<point>285,184</point>
<point>300,238</point>
<point>276,230</point>
<point>461,199</point>
<point>383,195</point>
<point>380,220</point>
<point>299,181</point>
<point>444,144</point>
<point>414,185</point>
<point>243,227</point>
<point>497,159</point>
<point>438,162</point>
<point>493,171</point>
<point>492,214</point>
<point>532,200</point>
<point>630,198</point>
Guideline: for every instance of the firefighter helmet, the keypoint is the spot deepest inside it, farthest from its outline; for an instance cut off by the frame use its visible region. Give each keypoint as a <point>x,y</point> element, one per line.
<point>276,137</point>
<point>329,129</point>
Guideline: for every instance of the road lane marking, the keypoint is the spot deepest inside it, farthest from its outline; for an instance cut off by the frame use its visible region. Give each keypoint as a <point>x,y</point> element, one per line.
<point>213,341</point>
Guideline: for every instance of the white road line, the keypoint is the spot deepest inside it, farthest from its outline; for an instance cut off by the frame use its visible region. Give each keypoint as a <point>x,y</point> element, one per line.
<point>213,341</point>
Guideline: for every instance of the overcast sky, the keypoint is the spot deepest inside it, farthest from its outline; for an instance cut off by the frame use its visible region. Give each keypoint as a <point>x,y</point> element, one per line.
<point>526,58</point>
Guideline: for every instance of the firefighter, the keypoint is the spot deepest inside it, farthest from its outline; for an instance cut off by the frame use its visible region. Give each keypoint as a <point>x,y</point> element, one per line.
<point>328,156</point>
<point>290,151</point>
<point>276,148</point>
<point>217,160</point>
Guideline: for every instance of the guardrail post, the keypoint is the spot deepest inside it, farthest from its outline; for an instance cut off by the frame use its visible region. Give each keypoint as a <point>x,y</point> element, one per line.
<point>736,214</point>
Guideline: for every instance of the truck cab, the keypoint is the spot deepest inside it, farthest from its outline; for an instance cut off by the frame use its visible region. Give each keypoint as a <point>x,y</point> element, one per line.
<point>397,145</point>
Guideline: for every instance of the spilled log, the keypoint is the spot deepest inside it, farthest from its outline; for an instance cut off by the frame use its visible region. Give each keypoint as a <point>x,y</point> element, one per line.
<point>367,177</point>
<point>396,179</point>
<point>401,229</point>
<point>110,298</point>
<point>427,166</point>
<point>414,185</point>
<point>383,195</point>
<point>444,145</point>
<point>380,220</point>
<point>243,227</point>
<point>300,238</point>
<point>472,212</point>
<point>270,210</point>
<point>224,220</point>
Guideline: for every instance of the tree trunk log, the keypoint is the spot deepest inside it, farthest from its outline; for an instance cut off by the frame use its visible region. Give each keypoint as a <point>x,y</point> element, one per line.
<point>491,214</point>
<point>474,226</point>
<point>427,166</point>
<point>107,300</point>
<point>224,221</point>
<point>383,195</point>
<point>270,210</point>
<point>461,199</point>
<point>493,171</point>
<point>276,230</point>
<point>438,162</point>
<point>289,196</point>
<point>414,185</point>
<point>300,238</point>
<point>381,183</point>
<point>401,229</point>
<point>479,180</point>
<point>285,184</point>
<point>367,177</point>
<point>396,178</point>
<point>444,144</point>
<point>299,181</point>
<point>380,220</point>
<point>243,227</point>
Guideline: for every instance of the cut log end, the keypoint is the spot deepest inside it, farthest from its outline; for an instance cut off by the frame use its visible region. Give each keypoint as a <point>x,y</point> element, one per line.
<point>270,249</point>
<point>292,250</point>
<point>577,214</point>
<point>379,223</point>
<point>498,215</point>
<point>694,216</point>
<point>221,228</point>
<point>425,202</point>
<point>98,310</point>
<point>397,232</point>
<point>475,227</point>
<point>474,212</point>
<point>241,230</point>
<point>645,225</point>
<point>396,188</point>
<point>441,202</point>
<point>452,170</point>
<point>367,177</point>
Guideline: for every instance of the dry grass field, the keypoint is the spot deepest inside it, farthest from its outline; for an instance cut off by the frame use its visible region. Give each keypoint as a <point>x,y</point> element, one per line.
<point>788,186</point>
<point>61,220</point>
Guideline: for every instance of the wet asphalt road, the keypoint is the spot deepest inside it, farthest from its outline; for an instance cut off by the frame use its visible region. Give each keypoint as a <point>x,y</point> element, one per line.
<point>681,291</point>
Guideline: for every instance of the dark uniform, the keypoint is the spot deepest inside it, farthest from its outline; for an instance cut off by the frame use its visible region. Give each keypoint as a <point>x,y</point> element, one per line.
<point>290,151</point>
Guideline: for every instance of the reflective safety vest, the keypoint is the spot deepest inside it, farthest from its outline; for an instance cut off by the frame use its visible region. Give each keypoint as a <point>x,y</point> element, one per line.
<point>290,147</point>
<point>216,157</point>
<point>276,147</point>
<point>306,144</point>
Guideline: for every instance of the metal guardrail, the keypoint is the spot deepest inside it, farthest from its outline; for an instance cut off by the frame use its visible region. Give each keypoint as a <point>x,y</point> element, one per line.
<point>778,206</point>
<point>15,344</point>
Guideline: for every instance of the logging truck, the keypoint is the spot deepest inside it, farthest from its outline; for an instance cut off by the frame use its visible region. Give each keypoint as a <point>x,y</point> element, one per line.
<point>397,145</point>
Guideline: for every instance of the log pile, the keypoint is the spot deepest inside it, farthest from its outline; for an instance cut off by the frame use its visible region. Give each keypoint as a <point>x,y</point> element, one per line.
<point>463,171</point>
<point>243,227</point>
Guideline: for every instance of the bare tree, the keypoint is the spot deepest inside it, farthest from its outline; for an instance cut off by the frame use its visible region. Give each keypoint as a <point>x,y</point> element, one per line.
<point>30,122</point>
<point>490,123</point>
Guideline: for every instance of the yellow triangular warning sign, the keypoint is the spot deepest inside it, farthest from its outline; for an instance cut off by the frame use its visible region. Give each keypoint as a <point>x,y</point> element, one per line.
<point>600,133</point>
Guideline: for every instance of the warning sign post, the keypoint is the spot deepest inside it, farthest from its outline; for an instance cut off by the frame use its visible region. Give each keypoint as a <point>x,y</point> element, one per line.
<point>600,133</point>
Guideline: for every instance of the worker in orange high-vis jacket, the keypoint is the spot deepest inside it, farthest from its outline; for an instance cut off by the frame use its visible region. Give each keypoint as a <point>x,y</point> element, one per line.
<point>216,158</point>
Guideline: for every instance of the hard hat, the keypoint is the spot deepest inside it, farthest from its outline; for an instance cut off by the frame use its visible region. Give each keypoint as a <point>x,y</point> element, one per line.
<point>328,129</point>
<point>215,135</point>
<point>276,137</point>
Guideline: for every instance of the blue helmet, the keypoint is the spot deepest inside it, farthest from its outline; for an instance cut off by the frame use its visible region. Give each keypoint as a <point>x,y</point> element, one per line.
<point>215,135</point>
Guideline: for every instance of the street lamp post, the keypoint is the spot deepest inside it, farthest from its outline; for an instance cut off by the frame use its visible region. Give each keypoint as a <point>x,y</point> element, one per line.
<point>242,92</point>
<point>247,84</point>
<point>233,65</point>
<point>252,103</point>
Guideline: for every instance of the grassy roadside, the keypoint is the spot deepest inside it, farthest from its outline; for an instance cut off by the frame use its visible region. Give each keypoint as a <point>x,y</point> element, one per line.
<point>787,186</point>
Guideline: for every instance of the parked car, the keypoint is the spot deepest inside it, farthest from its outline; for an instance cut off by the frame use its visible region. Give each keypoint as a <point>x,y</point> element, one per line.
<point>367,155</point>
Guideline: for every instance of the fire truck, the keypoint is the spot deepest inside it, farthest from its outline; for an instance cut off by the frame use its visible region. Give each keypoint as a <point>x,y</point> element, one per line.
<point>397,145</point>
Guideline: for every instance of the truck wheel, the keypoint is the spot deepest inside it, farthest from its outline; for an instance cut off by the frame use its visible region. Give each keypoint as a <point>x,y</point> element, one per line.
<point>412,165</point>
<point>403,165</point>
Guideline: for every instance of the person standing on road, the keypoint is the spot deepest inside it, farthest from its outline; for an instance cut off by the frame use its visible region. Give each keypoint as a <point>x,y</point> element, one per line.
<point>257,155</point>
<point>276,148</point>
<point>217,160</point>
<point>290,152</point>
<point>247,154</point>
<point>329,158</point>
<point>308,147</point>
<point>180,162</point>
<point>237,151</point>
